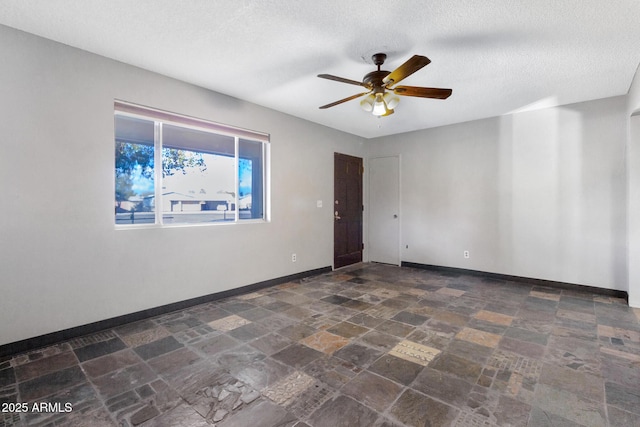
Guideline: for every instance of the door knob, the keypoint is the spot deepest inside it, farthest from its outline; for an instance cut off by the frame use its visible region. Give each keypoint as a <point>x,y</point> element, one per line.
<point>336,216</point>
<point>395,216</point>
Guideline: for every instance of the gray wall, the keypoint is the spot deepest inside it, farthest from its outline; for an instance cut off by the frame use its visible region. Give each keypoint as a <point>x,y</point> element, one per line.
<point>537,194</point>
<point>63,264</point>
<point>633,173</point>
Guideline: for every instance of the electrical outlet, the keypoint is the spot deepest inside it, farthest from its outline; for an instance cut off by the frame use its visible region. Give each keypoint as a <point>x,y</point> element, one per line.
<point>294,257</point>
<point>466,254</point>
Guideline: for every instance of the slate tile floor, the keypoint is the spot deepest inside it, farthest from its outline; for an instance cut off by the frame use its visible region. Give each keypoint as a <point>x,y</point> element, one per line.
<point>368,345</point>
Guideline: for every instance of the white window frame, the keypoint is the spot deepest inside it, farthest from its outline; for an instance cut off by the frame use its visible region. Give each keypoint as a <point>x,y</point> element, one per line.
<point>160,117</point>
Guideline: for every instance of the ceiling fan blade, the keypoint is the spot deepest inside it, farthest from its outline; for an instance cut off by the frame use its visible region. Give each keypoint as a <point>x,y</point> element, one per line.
<point>343,80</point>
<point>422,92</point>
<point>414,63</point>
<point>333,104</point>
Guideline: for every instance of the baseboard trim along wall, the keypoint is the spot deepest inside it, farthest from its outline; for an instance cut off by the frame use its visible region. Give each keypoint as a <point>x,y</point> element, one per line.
<point>525,280</point>
<point>78,331</point>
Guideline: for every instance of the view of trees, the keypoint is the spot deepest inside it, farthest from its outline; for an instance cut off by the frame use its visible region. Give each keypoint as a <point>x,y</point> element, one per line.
<point>135,168</point>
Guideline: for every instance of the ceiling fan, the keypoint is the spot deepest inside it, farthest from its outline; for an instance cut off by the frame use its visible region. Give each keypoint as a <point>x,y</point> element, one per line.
<point>381,99</point>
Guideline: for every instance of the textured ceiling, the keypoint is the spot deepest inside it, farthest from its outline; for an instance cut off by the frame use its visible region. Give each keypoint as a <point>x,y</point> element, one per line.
<point>498,56</point>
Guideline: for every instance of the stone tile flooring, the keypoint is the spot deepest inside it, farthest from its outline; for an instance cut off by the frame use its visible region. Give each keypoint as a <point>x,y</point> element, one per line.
<point>368,345</point>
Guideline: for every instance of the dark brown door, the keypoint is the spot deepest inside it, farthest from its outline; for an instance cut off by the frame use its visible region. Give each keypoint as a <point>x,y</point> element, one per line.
<point>347,208</point>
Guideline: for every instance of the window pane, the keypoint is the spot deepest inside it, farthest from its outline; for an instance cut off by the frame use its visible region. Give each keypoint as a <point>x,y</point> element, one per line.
<point>134,171</point>
<point>198,176</point>
<point>193,170</point>
<point>250,179</point>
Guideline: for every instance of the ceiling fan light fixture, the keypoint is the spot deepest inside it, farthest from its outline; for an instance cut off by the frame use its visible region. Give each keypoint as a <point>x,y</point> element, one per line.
<point>391,100</point>
<point>379,107</point>
<point>367,102</point>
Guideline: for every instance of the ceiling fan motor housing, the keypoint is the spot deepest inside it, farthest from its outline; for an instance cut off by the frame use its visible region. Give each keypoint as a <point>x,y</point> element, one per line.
<point>374,79</point>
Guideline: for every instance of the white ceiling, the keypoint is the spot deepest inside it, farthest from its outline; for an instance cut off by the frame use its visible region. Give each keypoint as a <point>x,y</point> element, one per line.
<point>498,56</point>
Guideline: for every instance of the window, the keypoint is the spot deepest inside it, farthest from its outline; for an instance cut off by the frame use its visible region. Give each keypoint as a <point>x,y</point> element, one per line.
<point>172,169</point>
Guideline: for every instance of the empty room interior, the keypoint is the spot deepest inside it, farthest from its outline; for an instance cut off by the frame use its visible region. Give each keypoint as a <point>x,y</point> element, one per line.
<point>319,214</point>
